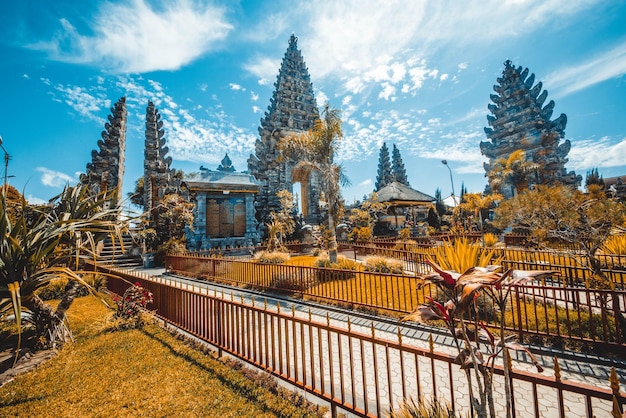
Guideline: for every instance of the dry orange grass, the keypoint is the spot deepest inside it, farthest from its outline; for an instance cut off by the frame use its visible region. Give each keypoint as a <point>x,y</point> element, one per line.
<point>135,373</point>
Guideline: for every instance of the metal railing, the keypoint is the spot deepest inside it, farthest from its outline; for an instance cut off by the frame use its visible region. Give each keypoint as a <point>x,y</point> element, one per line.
<point>359,370</point>
<point>536,311</point>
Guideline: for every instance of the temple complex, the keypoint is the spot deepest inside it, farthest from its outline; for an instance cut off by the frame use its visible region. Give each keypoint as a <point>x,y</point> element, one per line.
<point>105,172</point>
<point>159,179</point>
<point>224,215</point>
<point>520,121</point>
<point>292,111</point>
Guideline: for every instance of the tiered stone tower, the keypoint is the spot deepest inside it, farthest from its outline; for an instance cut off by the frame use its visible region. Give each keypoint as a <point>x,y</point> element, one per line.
<point>158,177</point>
<point>292,111</point>
<point>105,172</point>
<point>520,121</point>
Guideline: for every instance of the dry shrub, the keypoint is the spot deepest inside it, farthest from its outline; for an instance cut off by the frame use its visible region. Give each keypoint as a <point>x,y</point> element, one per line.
<point>295,282</point>
<point>343,263</point>
<point>381,264</point>
<point>406,245</point>
<point>271,257</point>
<point>422,409</point>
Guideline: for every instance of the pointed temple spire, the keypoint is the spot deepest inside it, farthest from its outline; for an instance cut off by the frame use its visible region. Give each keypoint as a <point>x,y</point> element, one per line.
<point>292,110</point>
<point>105,172</point>
<point>520,121</point>
<point>158,177</point>
<point>397,167</point>
<point>383,176</point>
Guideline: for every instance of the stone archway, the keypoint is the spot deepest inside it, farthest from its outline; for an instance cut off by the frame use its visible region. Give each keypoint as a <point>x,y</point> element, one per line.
<point>302,175</point>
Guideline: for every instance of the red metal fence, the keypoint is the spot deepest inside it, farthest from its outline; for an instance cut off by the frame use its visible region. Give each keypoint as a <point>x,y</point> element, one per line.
<point>572,265</point>
<point>355,369</point>
<point>537,311</point>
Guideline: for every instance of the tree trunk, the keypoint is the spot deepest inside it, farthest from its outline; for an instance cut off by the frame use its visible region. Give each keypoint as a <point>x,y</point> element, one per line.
<point>332,242</point>
<point>49,324</point>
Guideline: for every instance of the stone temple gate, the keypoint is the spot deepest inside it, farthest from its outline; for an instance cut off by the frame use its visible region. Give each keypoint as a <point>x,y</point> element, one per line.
<point>292,111</point>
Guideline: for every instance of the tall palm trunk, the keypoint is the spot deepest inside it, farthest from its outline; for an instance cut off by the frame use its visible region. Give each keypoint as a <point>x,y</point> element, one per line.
<point>332,242</point>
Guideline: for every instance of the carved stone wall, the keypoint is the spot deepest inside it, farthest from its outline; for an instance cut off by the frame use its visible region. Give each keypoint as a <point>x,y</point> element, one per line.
<point>105,172</point>
<point>520,121</point>
<point>292,111</point>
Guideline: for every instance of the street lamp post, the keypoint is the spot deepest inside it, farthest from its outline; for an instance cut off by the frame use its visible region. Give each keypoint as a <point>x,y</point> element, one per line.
<point>445,162</point>
<point>7,157</point>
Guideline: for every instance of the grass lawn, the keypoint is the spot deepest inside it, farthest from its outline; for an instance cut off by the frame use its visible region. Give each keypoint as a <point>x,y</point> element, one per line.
<point>146,372</point>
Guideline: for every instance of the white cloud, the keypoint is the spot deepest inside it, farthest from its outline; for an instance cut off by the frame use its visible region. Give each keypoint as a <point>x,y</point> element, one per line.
<point>26,76</point>
<point>591,153</point>
<point>89,104</point>
<point>53,178</point>
<point>371,42</point>
<point>236,87</point>
<point>606,65</point>
<point>366,182</point>
<point>263,68</point>
<point>33,200</point>
<point>135,36</point>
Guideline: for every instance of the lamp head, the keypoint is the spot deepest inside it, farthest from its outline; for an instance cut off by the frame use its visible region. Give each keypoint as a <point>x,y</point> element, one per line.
<point>444,162</point>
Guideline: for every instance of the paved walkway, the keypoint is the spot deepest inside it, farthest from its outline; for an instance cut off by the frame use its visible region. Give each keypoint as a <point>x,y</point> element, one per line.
<point>576,367</point>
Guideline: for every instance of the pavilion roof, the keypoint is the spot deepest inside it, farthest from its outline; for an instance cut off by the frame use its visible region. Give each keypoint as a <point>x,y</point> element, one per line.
<point>400,193</point>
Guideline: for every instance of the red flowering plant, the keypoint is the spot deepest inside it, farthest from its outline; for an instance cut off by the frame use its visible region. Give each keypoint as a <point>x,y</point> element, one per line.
<point>477,346</point>
<point>134,301</point>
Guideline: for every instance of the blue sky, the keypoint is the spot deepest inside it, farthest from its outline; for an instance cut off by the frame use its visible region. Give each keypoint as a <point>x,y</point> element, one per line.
<point>417,74</point>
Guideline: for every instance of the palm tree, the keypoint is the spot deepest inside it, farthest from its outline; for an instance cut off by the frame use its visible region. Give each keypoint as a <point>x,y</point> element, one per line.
<point>46,242</point>
<point>515,171</point>
<point>314,150</point>
<point>476,204</point>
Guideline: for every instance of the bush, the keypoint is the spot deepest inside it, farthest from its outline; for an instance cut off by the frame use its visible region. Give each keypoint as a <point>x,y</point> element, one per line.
<point>361,234</point>
<point>131,307</point>
<point>56,287</point>
<point>343,263</point>
<point>380,264</point>
<point>173,246</point>
<point>271,257</point>
<point>406,245</point>
<point>490,240</point>
<point>422,409</point>
<point>404,234</point>
<point>293,281</point>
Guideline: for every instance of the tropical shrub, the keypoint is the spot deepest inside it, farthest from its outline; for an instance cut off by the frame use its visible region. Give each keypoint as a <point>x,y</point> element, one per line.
<point>131,306</point>
<point>455,303</point>
<point>615,244</point>
<point>461,254</point>
<point>40,243</point>
<point>490,240</point>
<point>381,264</point>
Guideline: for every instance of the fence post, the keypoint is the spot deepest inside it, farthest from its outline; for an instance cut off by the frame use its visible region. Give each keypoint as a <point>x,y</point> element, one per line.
<point>614,380</point>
